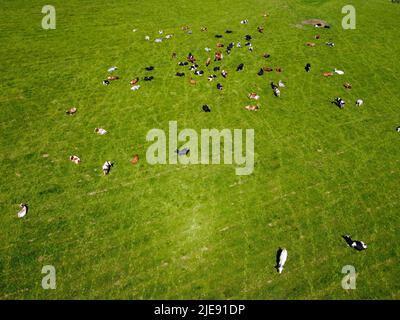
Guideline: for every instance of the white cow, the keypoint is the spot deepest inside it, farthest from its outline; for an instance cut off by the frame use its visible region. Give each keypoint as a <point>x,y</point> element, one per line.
<point>100,131</point>
<point>338,71</point>
<point>359,102</point>
<point>281,259</point>
<point>23,211</point>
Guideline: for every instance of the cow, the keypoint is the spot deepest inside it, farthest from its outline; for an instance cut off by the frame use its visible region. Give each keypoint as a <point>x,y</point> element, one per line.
<point>356,244</point>
<point>218,56</point>
<point>281,257</point>
<point>252,107</point>
<point>107,167</point>
<point>339,102</point>
<point>75,159</point>
<point>254,96</point>
<point>135,159</point>
<point>338,71</point>
<point>191,58</point>
<point>24,210</point>
<point>134,81</point>
<point>206,108</point>
<point>100,131</point>
<point>71,111</point>
<point>347,85</point>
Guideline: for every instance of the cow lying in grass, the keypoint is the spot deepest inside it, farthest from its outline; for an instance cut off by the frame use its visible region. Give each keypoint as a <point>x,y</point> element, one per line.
<point>100,131</point>
<point>218,56</point>
<point>356,244</point>
<point>254,96</point>
<point>281,257</point>
<point>24,210</point>
<point>339,102</point>
<point>75,159</point>
<point>107,167</point>
<point>252,107</point>
<point>71,111</point>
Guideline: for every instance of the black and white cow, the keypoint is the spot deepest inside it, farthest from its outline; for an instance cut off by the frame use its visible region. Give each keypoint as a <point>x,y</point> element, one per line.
<point>281,257</point>
<point>107,167</point>
<point>206,108</point>
<point>356,244</point>
<point>240,67</point>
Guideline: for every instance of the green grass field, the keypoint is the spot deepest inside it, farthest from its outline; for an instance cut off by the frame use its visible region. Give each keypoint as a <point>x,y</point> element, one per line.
<point>198,231</point>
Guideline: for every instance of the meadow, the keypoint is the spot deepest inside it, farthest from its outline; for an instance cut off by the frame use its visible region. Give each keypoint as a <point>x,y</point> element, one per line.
<point>198,231</point>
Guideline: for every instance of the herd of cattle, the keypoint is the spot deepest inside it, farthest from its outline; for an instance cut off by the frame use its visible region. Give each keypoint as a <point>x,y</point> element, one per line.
<point>195,70</point>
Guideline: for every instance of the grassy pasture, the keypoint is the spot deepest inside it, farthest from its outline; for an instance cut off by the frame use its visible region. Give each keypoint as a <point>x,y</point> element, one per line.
<point>198,231</point>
